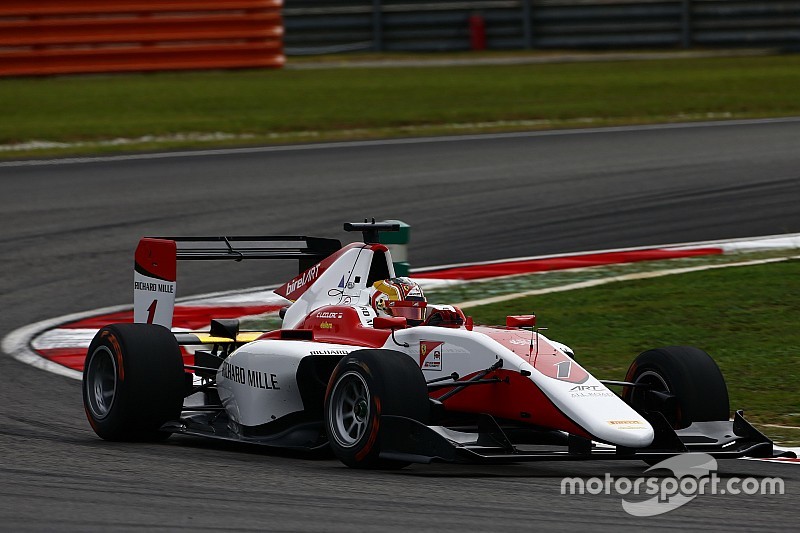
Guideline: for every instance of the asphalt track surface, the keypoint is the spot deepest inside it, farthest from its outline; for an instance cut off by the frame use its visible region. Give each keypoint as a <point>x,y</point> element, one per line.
<point>69,229</point>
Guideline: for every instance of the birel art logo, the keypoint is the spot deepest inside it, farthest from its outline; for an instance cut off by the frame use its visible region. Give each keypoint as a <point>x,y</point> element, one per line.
<point>693,474</point>
<point>303,279</point>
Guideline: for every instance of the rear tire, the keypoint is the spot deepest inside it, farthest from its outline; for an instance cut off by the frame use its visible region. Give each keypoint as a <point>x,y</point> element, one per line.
<point>365,385</point>
<point>133,382</point>
<point>688,373</point>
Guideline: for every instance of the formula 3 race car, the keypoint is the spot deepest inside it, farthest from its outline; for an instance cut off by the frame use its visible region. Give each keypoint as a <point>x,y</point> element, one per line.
<point>363,365</point>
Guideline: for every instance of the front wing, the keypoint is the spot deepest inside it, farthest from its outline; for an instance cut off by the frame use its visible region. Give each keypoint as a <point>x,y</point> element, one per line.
<point>403,439</point>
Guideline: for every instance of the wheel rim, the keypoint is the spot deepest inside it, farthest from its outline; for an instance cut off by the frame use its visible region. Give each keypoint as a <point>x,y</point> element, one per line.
<point>653,380</point>
<point>101,382</point>
<point>349,409</point>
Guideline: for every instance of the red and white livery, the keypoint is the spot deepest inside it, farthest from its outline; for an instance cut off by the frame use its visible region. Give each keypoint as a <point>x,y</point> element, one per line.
<point>364,365</point>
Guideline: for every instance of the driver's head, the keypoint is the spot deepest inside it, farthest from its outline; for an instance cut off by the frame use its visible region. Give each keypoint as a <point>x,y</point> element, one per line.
<point>399,297</point>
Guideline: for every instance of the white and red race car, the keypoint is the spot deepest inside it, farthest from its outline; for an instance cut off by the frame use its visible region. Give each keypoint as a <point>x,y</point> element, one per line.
<point>364,365</point>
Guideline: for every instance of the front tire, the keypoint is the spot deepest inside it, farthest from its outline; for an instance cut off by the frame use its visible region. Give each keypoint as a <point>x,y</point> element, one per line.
<point>365,385</point>
<point>687,373</point>
<point>133,382</point>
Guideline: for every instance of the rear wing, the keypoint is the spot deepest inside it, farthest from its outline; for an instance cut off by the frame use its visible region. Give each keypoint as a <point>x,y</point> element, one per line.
<point>155,265</point>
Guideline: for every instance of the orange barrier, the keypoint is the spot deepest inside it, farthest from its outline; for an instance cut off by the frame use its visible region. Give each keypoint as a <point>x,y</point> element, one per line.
<point>90,36</point>
<point>90,7</point>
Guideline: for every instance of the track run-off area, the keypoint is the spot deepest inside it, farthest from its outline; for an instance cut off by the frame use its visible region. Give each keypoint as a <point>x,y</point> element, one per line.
<point>70,227</point>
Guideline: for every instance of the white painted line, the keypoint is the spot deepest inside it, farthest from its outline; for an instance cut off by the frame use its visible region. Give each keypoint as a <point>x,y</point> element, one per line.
<point>63,338</point>
<point>604,281</point>
<point>392,142</point>
<point>576,57</point>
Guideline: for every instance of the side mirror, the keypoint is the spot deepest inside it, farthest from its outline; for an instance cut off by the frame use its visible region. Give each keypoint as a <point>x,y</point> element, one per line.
<point>521,321</point>
<point>389,322</point>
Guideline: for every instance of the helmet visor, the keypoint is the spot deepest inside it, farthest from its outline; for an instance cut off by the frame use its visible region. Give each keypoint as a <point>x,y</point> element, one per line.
<point>411,310</point>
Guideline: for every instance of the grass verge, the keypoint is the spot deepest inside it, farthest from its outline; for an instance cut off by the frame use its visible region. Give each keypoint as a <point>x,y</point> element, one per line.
<point>745,317</point>
<point>173,110</point>
<point>456,291</point>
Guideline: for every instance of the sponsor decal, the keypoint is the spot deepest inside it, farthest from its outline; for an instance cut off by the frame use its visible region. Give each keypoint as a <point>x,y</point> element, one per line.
<point>262,380</point>
<point>153,287</point>
<point>303,279</point>
<point>234,373</point>
<point>626,424</point>
<point>329,352</point>
<point>365,314</point>
<point>251,378</point>
<point>589,391</point>
<point>326,325</point>
<point>329,314</point>
<point>430,355</point>
<point>415,291</point>
<point>294,288</point>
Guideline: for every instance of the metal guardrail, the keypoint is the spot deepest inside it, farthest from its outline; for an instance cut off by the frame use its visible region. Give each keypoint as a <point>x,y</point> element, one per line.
<point>329,26</point>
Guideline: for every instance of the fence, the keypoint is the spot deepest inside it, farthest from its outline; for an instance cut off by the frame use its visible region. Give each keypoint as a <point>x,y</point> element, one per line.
<point>83,36</point>
<point>319,26</point>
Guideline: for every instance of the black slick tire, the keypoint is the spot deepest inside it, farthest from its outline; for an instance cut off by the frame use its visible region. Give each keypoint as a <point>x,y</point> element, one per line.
<point>365,385</point>
<point>133,382</point>
<point>688,373</point>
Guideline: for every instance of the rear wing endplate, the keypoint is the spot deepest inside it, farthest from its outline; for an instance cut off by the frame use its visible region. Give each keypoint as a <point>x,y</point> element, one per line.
<point>155,265</point>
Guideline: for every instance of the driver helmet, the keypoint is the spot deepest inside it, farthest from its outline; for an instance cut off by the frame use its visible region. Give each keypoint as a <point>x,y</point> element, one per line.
<point>399,297</point>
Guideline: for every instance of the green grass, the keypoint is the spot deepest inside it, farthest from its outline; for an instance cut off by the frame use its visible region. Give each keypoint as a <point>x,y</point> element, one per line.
<point>285,105</point>
<point>747,318</point>
<point>457,292</point>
